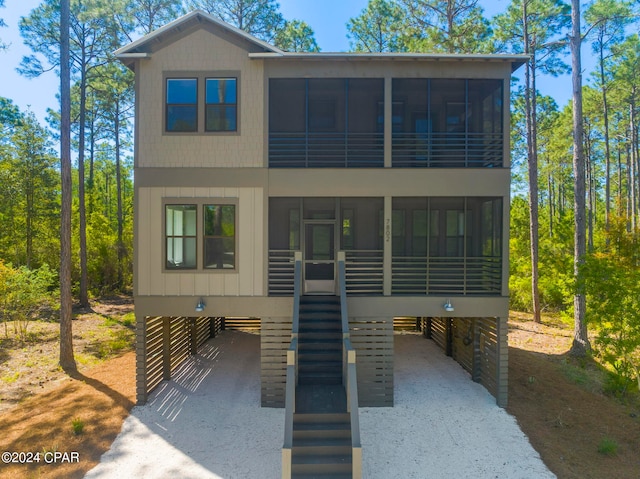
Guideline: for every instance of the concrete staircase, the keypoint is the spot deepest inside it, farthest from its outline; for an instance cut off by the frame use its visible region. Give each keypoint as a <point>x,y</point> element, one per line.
<point>321,423</point>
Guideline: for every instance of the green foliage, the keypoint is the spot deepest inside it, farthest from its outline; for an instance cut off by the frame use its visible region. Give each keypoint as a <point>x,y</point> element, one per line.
<point>608,447</point>
<point>77,425</point>
<point>150,15</point>
<point>609,17</point>
<point>296,36</point>
<point>446,26</point>
<point>3,46</point>
<point>260,18</point>
<point>10,378</point>
<point>556,268</point>
<point>617,385</point>
<point>546,24</point>
<point>575,374</point>
<point>129,320</point>
<point>10,116</point>
<point>378,28</point>
<point>22,293</point>
<point>29,217</point>
<point>612,281</point>
<point>119,340</point>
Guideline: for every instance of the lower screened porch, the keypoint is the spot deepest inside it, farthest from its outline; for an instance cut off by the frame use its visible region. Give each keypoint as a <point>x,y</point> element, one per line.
<point>394,246</point>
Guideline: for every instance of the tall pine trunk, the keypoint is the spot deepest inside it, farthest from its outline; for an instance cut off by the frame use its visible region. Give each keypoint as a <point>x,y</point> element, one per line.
<point>67,360</point>
<point>633,170</point>
<point>121,247</point>
<point>532,157</point>
<point>607,146</point>
<point>580,345</point>
<point>84,294</point>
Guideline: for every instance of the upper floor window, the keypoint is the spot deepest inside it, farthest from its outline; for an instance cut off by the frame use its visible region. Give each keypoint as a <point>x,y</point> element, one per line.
<point>182,104</point>
<point>201,104</point>
<point>221,104</point>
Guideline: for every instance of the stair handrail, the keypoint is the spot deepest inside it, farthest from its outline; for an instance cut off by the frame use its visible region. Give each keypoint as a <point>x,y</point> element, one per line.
<point>297,292</point>
<point>349,371</point>
<point>292,370</point>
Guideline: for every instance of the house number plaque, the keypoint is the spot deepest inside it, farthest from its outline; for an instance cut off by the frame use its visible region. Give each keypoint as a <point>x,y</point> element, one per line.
<point>387,231</point>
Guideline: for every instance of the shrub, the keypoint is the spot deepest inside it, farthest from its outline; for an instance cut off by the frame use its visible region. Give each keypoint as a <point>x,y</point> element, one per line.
<point>22,293</point>
<point>608,447</point>
<point>612,282</point>
<point>78,426</point>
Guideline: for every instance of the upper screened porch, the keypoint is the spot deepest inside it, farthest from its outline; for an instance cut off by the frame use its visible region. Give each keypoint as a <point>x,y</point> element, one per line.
<point>345,122</point>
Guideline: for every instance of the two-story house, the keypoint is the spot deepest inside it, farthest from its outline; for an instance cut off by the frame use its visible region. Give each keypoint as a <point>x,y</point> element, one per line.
<point>246,154</point>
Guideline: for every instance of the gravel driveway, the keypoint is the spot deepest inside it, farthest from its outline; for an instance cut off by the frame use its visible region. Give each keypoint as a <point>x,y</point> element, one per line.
<point>207,423</point>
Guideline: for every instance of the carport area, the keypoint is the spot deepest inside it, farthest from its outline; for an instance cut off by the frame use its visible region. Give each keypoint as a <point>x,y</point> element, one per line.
<point>206,422</point>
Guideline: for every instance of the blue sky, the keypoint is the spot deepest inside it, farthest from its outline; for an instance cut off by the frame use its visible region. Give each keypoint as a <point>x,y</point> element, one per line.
<point>328,19</point>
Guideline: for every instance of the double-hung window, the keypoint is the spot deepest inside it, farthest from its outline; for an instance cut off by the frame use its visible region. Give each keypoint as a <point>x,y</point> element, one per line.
<point>200,236</point>
<point>221,104</point>
<point>182,105</point>
<point>219,236</point>
<point>201,103</point>
<point>180,228</point>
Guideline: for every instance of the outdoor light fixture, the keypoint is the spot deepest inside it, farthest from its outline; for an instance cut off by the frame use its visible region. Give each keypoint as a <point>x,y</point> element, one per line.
<point>200,306</point>
<point>448,306</point>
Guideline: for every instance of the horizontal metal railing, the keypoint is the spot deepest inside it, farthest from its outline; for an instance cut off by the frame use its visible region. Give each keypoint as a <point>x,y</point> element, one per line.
<point>364,272</point>
<point>366,150</point>
<point>281,272</point>
<point>326,150</point>
<point>447,150</point>
<point>450,275</point>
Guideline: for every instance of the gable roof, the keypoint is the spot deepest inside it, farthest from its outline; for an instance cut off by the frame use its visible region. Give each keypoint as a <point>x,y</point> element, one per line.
<point>143,47</point>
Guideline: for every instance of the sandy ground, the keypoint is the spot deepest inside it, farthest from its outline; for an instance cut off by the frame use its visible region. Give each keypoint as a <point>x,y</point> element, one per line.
<point>207,423</point>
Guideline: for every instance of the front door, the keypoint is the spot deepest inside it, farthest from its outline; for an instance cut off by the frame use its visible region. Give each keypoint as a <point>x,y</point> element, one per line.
<point>319,258</point>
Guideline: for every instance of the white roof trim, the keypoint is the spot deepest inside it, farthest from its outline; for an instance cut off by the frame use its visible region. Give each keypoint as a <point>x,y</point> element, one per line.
<point>392,56</point>
<point>515,60</point>
<point>134,55</point>
<point>128,49</point>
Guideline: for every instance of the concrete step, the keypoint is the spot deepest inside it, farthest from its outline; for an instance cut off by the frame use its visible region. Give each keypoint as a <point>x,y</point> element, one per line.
<point>317,380</point>
<point>322,476</point>
<point>301,419</point>
<point>319,335</point>
<point>330,430</point>
<point>319,355</point>
<point>322,447</point>
<point>320,316</point>
<point>319,370</point>
<point>320,344</point>
<point>320,464</point>
<point>321,400</point>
